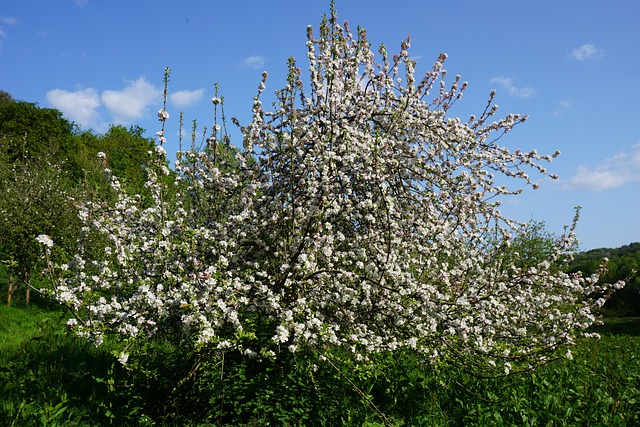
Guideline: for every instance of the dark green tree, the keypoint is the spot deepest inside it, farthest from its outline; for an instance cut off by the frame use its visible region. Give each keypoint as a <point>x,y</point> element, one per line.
<point>28,132</point>
<point>127,154</point>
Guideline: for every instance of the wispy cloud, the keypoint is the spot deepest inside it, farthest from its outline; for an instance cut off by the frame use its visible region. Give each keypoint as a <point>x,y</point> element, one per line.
<point>587,52</point>
<point>562,107</point>
<point>81,3</point>
<point>507,84</point>
<point>186,98</point>
<point>5,22</point>
<point>621,169</point>
<point>8,20</point>
<point>131,102</point>
<point>254,61</point>
<point>124,106</point>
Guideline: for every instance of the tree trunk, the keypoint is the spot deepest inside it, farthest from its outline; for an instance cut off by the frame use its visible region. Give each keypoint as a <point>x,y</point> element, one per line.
<point>27,284</point>
<point>10,286</point>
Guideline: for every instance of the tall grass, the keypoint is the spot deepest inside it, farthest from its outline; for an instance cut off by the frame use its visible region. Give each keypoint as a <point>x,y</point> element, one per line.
<point>49,378</point>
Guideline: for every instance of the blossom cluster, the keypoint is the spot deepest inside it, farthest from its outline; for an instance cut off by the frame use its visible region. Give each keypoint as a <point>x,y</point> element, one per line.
<point>357,215</point>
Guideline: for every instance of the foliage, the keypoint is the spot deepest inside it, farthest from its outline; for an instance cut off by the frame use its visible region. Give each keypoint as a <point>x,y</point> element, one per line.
<point>5,97</point>
<point>360,219</point>
<point>126,153</point>
<point>50,377</point>
<point>533,245</point>
<point>35,199</point>
<point>623,265</point>
<point>35,192</point>
<point>45,167</point>
<point>29,132</point>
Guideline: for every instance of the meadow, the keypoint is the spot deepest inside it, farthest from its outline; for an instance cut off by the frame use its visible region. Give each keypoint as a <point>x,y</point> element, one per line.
<point>48,377</point>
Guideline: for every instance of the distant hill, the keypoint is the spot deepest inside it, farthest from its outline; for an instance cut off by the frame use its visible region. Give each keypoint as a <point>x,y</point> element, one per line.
<point>624,264</point>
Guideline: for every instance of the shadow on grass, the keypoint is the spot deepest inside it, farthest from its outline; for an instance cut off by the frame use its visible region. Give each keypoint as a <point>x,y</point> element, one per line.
<point>619,326</point>
<point>47,377</point>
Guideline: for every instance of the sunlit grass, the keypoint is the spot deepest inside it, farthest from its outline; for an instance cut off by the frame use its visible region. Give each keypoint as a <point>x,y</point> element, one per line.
<point>20,324</point>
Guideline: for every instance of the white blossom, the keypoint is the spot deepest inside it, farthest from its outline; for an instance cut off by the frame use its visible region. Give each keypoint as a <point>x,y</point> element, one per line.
<point>45,240</point>
<point>360,215</point>
<point>123,358</point>
<point>163,115</point>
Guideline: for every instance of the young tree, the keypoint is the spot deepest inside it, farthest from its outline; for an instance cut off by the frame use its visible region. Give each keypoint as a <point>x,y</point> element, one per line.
<point>360,216</point>
<point>35,199</point>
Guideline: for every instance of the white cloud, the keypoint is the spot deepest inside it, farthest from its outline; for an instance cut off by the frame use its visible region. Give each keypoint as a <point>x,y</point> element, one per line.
<point>507,84</point>
<point>254,61</point>
<point>587,51</point>
<point>125,106</point>
<point>80,106</point>
<point>185,98</point>
<point>621,169</point>
<point>132,102</point>
<point>81,3</point>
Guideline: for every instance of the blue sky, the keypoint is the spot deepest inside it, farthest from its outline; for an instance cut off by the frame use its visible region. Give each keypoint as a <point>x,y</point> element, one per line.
<point>572,66</point>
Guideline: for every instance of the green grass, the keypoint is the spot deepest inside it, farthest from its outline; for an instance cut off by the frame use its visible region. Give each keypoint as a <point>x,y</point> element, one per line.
<point>20,324</point>
<point>601,386</point>
<point>46,375</point>
<point>49,378</point>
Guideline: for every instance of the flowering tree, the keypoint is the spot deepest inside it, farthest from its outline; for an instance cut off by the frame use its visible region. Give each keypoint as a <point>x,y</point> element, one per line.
<point>359,215</point>
<point>34,198</point>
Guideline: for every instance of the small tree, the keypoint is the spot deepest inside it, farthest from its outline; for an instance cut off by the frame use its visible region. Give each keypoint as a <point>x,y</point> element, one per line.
<point>35,199</point>
<point>360,216</point>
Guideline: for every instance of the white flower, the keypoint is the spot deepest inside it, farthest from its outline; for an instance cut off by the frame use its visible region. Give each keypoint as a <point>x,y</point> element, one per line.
<point>123,358</point>
<point>160,150</point>
<point>45,240</point>
<point>282,334</point>
<point>163,115</point>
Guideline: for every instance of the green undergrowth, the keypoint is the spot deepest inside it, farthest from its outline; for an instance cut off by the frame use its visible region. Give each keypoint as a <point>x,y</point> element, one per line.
<point>51,378</point>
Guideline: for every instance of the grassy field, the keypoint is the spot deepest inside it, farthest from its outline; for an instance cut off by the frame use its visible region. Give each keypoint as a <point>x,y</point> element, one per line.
<point>49,378</point>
